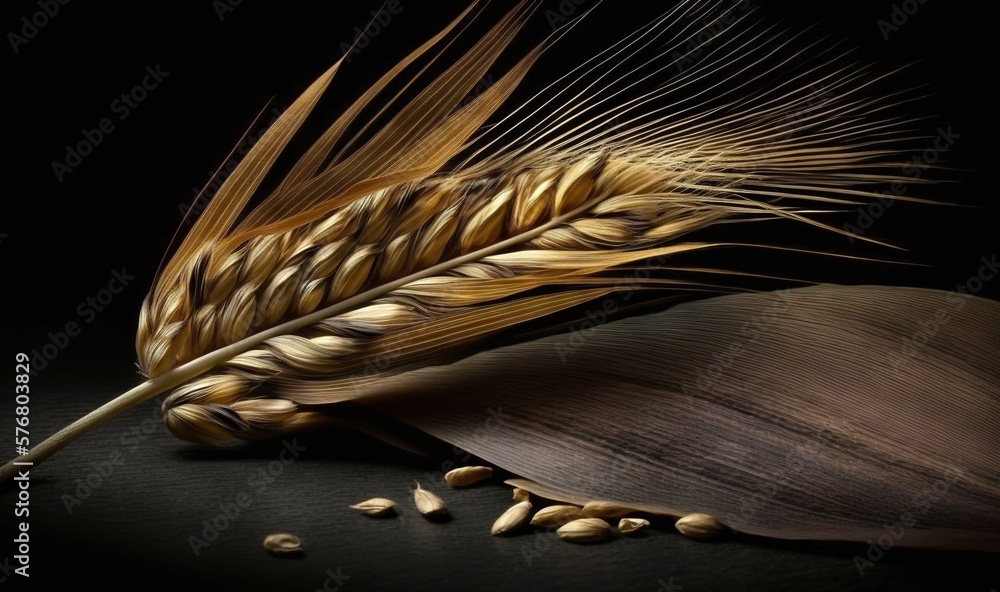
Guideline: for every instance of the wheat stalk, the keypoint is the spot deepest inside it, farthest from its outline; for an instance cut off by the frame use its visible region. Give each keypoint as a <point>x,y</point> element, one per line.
<point>418,239</point>
<point>641,201</point>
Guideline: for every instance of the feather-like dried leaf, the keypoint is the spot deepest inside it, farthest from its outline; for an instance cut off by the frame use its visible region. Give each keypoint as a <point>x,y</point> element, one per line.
<point>843,452</point>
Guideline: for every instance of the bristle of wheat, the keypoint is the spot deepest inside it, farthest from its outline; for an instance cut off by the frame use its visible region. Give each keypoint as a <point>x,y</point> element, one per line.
<point>273,278</point>
<point>642,185</point>
<point>477,212</point>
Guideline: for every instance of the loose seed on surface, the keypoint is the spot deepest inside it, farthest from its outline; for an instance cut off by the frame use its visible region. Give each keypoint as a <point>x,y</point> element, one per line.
<point>377,506</point>
<point>514,518</point>
<point>632,525</point>
<point>556,516</point>
<point>464,476</point>
<point>428,503</point>
<point>283,544</point>
<point>700,526</point>
<point>585,530</point>
<point>607,510</point>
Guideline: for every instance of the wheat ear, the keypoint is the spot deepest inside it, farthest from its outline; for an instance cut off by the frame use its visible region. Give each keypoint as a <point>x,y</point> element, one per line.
<point>430,223</point>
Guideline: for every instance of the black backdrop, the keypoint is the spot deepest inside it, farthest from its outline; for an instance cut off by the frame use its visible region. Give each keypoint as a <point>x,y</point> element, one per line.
<point>62,240</point>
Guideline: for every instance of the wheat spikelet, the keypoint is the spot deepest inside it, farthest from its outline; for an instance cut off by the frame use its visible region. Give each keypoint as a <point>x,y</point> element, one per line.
<point>635,199</point>
<point>640,203</point>
<point>427,225</point>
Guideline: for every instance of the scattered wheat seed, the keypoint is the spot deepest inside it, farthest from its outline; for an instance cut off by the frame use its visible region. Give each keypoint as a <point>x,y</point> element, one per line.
<point>283,544</point>
<point>514,518</point>
<point>607,510</point>
<point>377,506</point>
<point>699,526</point>
<point>632,525</point>
<point>428,503</point>
<point>556,516</point>
<point>584,530</point>
<point>464,476</point>
<point>521,495</point>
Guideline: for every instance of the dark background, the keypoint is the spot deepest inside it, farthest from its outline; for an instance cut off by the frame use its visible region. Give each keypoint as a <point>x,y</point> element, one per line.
<point>61,241</point>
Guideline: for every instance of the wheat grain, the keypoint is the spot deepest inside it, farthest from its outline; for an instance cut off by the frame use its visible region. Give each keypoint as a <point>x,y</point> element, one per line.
<point>465,476</point>
<point>376,507</point>
<point>428,503</point>
<point>700,526</point>
<point>283,544</point>
<point>585,530</point>
<point>606,510</point>
<point>556,516</point>
<point>521,495</point>
<point>632,525</point>
<point>512,519</point>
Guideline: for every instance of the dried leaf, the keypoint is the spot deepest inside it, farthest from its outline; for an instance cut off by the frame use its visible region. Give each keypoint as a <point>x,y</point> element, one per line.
<point>840,454</point>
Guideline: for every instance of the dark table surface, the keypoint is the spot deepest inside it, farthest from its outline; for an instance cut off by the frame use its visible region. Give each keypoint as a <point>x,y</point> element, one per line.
<point>149,493</point>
